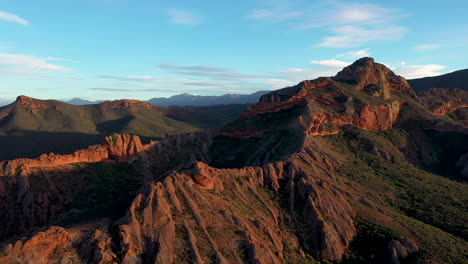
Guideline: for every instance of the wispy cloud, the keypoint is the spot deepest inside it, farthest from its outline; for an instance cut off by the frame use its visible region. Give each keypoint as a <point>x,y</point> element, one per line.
<point>349,24</point>
<point>27,64</point>
<point>296,75</point>
<point>9,17</point>
<point>350,36</point>
<point>131,78</point>
<point>355,54</point>
<point>61,59</point>
<point>203,84</point>
<point>427,46</point>
<point>419,71</point>
<point>333,63</point>
<point>274,15</point>
<point>213,72</point>
<point>184,17</point>
<point>133,90</point>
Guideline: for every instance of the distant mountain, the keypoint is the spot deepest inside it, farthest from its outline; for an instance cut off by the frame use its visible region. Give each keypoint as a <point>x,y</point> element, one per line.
<point>30,127</point>
<point>456,79</point>
<point>186,99</point>
<point>79,101</point>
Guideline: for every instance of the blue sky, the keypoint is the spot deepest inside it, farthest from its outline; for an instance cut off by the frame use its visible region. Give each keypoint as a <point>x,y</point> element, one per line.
<point>111,49</point>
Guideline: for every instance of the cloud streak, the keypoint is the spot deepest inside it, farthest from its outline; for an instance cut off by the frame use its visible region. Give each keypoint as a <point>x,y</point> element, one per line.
<point>348,24</point>
<point>133,90</point>
<point>427,47</point>
<point>419,71</point>
<point>213,72</point>
<point>9,17</point>
<point>27,64</point>
<point>183,17</point>
<point>333,63</point>
<point>355,54</point>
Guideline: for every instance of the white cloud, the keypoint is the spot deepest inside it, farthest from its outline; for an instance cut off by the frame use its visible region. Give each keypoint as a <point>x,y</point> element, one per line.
<point>356,35</point>
<point>184,17</point>
<point>61,59</point>
<point>354,54</point>
<point>27,64</point>
<point>419,71</point>
<point>426,47</point>
<point>12,18</point>
<point>295,75</point>
<point>349,24</point>
<point>274,15</point>
<point>333,63</point>
<point>338,13</point>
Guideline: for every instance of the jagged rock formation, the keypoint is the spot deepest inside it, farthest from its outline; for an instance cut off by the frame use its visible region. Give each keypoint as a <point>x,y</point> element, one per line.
<point>442,102</point>
<point>312,171</point>
<point>119,147</point>
<point>401,249</point>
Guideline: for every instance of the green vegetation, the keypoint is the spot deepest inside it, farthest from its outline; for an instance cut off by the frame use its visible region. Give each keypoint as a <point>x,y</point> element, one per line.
<point>52,126</point>
<point>431,208</point>
<point>98,190</point>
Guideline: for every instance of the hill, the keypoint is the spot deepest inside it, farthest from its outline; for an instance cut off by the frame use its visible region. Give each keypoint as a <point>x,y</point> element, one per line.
<point>356,168</point>
<point>454,80</point>
<point>186,99</point>
<point>30,127</point>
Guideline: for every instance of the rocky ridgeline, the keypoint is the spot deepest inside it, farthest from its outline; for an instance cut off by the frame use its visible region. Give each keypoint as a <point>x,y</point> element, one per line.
<point>275,209</point>
<point>127,103</point>
<point>444,101</point>
<point>118,147</point>
<point>27,203</point>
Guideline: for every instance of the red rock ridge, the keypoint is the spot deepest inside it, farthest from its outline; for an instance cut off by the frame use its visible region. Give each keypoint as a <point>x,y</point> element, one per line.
<point>369,117</point>
<point>287,97</point>
<point>187,200</point>
<point>119,147</point>
<point>126,103</point>
<point>366,72</point>
<point>32,104</point>
<point>443,101</point>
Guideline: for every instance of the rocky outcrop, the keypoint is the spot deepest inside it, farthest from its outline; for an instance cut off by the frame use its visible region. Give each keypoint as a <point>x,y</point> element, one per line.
<point>29,195</point>
<point>212,202</point>
<point>127,103</point>
<point>368,117</point>
<point>287,97</point>
<point>48,246</point>
<point>366,74</point>
<point>442,101</point>
<point>60,245</point>
<point>34,105</point>
<point>119,147</point>
<point>401,249</point>
<point>263,189</point>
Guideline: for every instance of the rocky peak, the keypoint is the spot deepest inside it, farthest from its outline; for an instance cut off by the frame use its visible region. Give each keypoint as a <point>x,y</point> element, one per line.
<point>23,99</point>
<point>126,103</point>
<point>34,105</point>
<point>373,77</point>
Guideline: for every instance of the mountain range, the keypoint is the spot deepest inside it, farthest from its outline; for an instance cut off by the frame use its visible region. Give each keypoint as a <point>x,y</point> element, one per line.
<point>186,99</point>
<point>30,127</point>
<point>355,168</point>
